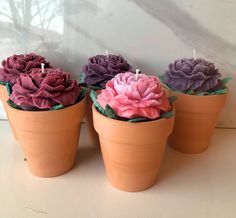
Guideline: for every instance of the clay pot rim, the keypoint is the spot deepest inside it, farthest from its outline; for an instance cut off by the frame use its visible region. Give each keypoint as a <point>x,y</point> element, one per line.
<point>197,96</point>
<point>132,123</point>
<point>49,111</point>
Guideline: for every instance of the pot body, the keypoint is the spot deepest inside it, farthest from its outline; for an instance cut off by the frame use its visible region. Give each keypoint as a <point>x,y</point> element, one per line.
<point>49,139</point>
<point>132,152</point>
<point>92,134</point>
<point>196,117</point>
<point>4,97</point>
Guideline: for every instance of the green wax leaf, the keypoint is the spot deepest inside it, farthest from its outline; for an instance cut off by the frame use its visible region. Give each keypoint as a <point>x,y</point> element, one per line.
<point>138,119</point>
<point>9,88</point>
<point>172,99</point>
<point>95,88</point>
<point>94,96</point>
<point>58,106</point>
<point>81,80</point>
<point>203,93</point>
<point>160,76</point>
<point>221,91</point>
<point>2,83</point>
<point>226,79</point>
<point>167,114</point>
<point>110,112</point>
<point>12,104</point>
<point>191,93</point>
<point>82,94</point>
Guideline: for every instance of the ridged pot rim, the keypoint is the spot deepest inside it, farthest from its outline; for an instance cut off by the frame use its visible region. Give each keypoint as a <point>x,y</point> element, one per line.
<point>48,111</point>
<point>197,96</point>
<point>132,123</point>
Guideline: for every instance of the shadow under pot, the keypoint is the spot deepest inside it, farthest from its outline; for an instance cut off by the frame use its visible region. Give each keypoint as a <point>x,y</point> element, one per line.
<point>4,98</point>
<point>49,139</point>
<point>132,152</point>
<point>196,118</point>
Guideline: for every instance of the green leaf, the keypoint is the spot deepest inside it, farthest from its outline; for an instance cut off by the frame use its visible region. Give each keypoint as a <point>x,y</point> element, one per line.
<point>226,79</point>
<point>58,106</point>
<point>110,112</point>
<point>95,88</point>
<point>167,114</point>
<point>94,96</point>
<point>82,94</point>
<point>2,83</point>
<point>9,88</point>
<point>138,119</point>
<point>191,93</point>
<point>203,93</point>
<point>172,99</point>
<point>81,80</point>
<point>161,78</point>
<point>221,91</point>
<point>10,103</point>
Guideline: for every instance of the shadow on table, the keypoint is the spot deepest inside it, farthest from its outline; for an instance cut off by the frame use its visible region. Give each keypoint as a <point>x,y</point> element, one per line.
<point>176,164</point>
<point>87,155</point>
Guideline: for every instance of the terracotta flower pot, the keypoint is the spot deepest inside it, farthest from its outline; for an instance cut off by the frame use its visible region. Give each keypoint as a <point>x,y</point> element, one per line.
<point>92,134</point>
<point>4,98</point>
<point>49,139</point>
<point>196,117</point>
<point>132,152</point>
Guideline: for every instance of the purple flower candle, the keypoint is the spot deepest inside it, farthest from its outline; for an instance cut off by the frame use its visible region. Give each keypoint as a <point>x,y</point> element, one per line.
<point>102,68</point>
<point>196,75</point>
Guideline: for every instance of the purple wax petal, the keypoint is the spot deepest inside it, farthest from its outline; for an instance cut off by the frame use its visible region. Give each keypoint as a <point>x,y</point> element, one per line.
<point>193,75</point>
<point>101,68</point>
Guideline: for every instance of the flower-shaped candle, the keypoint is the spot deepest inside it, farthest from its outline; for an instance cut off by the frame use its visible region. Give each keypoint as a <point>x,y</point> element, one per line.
<point>197,75</point>
<point>132,96</point>
<point>37,90</point>
<point>14,65</point>
<point>102,68</point>
<point>133,119</point>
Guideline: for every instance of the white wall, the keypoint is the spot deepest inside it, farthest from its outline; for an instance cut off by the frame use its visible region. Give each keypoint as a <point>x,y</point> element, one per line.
<point>149,33</point>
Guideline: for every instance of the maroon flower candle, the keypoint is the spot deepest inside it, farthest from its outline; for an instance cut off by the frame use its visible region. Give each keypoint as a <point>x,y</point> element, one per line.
<point>14,65</point>
<point>39,90</point>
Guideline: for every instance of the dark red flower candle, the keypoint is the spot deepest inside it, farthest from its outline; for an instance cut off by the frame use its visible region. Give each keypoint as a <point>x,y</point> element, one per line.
<point>39,90</point>
<point>14,65</point>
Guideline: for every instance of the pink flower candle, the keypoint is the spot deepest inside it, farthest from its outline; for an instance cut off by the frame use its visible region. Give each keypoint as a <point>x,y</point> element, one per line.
<point>133,96</point>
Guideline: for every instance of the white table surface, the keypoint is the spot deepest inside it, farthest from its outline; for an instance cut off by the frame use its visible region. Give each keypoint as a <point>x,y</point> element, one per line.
<point>189,186</point>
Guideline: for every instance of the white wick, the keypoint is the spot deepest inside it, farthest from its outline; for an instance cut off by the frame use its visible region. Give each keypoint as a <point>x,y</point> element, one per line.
<point>136,74</point>
<point>194,54</point>
<point>107,54</point>
<point>42,67</point>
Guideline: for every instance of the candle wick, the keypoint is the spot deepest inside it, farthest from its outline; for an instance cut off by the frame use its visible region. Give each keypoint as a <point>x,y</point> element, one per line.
<point>42,67</point>
<point>136,74</point>
<point>194,54</point>
<point>107,53</point>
